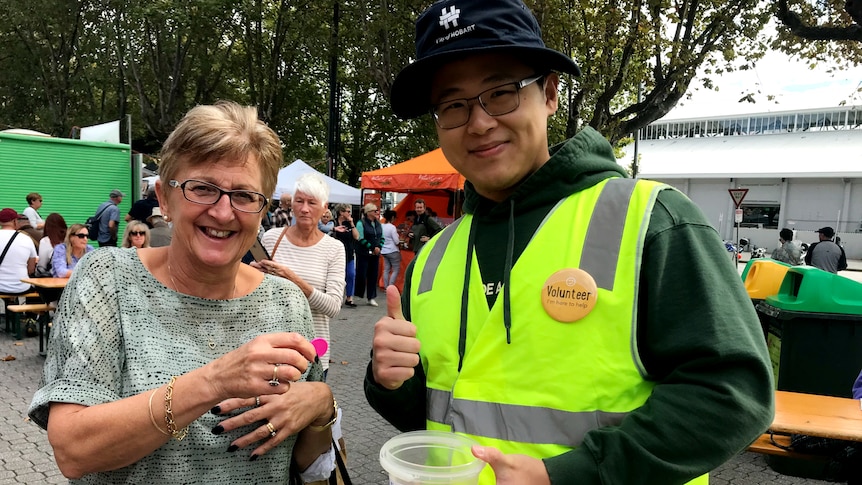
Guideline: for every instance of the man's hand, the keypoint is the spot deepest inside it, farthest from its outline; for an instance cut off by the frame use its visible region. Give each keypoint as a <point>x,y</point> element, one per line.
<point>396,348</point>
<point>513,469</point>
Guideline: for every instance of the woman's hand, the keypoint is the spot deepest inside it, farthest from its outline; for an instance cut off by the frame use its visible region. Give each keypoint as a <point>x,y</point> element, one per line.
<point>287,413</point>
<point>282,271</point>
<point>262,366</point>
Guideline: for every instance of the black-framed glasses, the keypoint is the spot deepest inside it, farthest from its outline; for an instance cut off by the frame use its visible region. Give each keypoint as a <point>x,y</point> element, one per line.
<point>205,193</point>
<point>81,235</point>
<point>137,233</point>
<point>496,101</point>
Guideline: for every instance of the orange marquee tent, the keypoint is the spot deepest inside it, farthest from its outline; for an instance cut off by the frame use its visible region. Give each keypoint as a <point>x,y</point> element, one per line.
<point>430,177</point>
<point>430,171</point>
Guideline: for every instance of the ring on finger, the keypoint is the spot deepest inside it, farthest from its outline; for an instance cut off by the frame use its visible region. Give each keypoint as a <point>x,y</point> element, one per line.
<point>272,430</point>
<point>257,401</point>
<point>274,381</point>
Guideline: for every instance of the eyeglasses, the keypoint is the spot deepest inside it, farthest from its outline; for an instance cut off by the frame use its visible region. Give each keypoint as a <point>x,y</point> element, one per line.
<point>496,101</point>
<point>205,193</point>
<point>81,235</point>
<point>137,233</point>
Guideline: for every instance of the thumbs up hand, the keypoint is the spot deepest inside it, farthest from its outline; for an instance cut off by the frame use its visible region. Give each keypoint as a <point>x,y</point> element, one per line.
<point>396,348</point>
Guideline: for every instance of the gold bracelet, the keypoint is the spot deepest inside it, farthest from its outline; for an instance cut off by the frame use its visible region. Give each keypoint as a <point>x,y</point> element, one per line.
<point>152,417</point>
<point>331,422</point>
<point>178,434</point>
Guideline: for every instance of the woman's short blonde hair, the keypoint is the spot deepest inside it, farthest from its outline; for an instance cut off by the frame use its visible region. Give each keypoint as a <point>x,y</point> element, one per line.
<point>368,208</point>
<point>136,226</point>
<point>223,131</point>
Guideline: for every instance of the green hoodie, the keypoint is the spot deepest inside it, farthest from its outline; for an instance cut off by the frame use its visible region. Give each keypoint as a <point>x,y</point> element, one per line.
<point>698,334</point>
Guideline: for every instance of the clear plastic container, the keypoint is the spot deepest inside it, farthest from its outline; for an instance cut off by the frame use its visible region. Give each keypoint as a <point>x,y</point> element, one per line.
<point>430,457</point>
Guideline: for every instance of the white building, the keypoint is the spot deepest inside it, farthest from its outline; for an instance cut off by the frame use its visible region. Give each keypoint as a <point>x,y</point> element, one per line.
<point>802,169</point>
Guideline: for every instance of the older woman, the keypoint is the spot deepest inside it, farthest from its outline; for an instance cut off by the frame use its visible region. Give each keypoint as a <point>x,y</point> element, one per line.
<point>73,248</point>
<point>174,364</point>
<point>305,256</point>
<point>137,235</point>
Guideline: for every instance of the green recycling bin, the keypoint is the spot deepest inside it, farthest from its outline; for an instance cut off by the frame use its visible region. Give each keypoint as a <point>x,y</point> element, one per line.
<point>815,332</point>
<point>762,277</point>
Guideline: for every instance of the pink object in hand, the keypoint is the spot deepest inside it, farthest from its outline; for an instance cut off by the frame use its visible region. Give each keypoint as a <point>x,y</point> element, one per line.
<point>320,346</point>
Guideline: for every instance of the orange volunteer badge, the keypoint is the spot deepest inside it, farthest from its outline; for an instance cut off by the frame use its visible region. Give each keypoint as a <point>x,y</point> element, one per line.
<point>569,295</point>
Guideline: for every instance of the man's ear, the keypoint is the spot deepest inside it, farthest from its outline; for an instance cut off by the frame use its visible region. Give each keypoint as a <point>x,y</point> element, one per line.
<point>551,86</point>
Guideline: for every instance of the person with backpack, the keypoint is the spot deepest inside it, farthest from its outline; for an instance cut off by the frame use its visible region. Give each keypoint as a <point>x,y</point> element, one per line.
<point>106,222</point>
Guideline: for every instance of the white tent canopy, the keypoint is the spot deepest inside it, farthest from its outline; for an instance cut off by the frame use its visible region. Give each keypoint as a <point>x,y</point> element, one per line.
<point>339,193</point>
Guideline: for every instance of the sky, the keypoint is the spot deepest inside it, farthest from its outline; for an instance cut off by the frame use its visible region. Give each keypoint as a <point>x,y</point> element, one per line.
<point>793,84</point>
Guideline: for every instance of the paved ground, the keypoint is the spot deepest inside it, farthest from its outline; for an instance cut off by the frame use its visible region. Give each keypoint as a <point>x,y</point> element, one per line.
<point>26,458</point>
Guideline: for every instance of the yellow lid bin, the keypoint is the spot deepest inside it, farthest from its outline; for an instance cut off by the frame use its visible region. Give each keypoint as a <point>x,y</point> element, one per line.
<point>763,277</point>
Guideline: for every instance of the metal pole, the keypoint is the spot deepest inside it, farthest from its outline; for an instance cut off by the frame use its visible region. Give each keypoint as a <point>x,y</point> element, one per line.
<point>332,142</point>
<point>736,245</point>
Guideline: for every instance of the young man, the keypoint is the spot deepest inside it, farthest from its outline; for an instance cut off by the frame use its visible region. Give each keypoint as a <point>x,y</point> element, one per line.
<point>787,252</point>
<point>554,322</point>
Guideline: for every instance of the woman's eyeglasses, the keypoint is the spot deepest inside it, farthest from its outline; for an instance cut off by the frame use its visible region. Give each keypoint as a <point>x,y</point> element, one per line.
<point>81,235</point>
<point>205,193</point>
<point>137,233</point>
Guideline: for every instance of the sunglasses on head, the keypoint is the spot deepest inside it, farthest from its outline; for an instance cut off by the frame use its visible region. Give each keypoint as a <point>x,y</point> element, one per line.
<point>81,235</point>
<point>137,233</point>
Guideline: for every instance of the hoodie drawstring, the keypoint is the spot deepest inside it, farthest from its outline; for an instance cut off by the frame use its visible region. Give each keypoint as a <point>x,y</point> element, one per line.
<point>465,290</point>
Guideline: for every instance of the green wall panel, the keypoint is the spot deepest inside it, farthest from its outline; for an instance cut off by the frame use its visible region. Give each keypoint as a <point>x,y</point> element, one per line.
<point>72,176</point>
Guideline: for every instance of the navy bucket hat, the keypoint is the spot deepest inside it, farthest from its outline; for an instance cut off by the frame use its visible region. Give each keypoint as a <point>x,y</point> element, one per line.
<point>451,29</point>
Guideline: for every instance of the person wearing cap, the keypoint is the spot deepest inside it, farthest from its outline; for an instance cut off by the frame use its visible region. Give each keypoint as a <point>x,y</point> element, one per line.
<point>553,323</point>
<point>109,219</point>
<point>17,255</point>
<point>160,234</point>
<point>826,254</point>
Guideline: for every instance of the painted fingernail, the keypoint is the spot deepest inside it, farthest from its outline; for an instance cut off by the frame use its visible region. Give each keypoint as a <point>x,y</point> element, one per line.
<point>216,410</point>
<point>316,359</point>
<point>252,458</point>
<point>218,429</point>
<point>232,448</point>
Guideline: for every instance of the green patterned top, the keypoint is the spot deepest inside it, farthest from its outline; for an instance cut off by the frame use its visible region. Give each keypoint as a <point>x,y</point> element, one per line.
<point>119,332</point>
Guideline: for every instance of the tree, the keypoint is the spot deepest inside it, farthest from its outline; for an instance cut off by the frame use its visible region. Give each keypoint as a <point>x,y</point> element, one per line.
<point>659,44</point>
<point>835,26</point>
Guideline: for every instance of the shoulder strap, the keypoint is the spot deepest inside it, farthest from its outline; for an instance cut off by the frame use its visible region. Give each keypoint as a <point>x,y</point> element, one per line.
<point>6,249</point>
<point>99,214</point>
<point>280,237</point>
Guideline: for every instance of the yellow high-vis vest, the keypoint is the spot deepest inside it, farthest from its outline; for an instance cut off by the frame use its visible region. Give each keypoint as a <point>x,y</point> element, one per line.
<point>540,394</point>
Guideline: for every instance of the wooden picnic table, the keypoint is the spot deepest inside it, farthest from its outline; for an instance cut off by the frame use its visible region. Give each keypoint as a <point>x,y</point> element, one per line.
<point>816,415</point>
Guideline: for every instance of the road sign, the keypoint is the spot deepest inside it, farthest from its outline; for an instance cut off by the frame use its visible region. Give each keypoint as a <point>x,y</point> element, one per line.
<point>737,215</point>
<point>737,195</point>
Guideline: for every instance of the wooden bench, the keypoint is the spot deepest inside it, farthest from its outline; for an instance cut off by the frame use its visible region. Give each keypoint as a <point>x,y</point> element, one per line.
<point>16,327</point>
<point>764,445</point>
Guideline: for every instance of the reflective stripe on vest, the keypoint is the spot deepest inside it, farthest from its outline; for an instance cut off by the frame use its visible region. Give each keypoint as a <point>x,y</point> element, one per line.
<point>492,399</point>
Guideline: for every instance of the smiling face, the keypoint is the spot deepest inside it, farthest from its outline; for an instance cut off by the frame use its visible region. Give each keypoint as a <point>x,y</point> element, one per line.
<point>496,153</point>
<point>215,236</point>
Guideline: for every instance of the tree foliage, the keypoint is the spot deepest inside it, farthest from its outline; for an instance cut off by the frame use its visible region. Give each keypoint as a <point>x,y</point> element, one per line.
<point>823,31</point>
<point>77,63</point>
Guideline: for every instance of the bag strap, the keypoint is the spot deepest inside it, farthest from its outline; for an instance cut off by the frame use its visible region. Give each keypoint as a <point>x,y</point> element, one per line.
<point>342,468</point>
<point>280,237</point>
<point>6,249</point>
<point>99,214</point>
